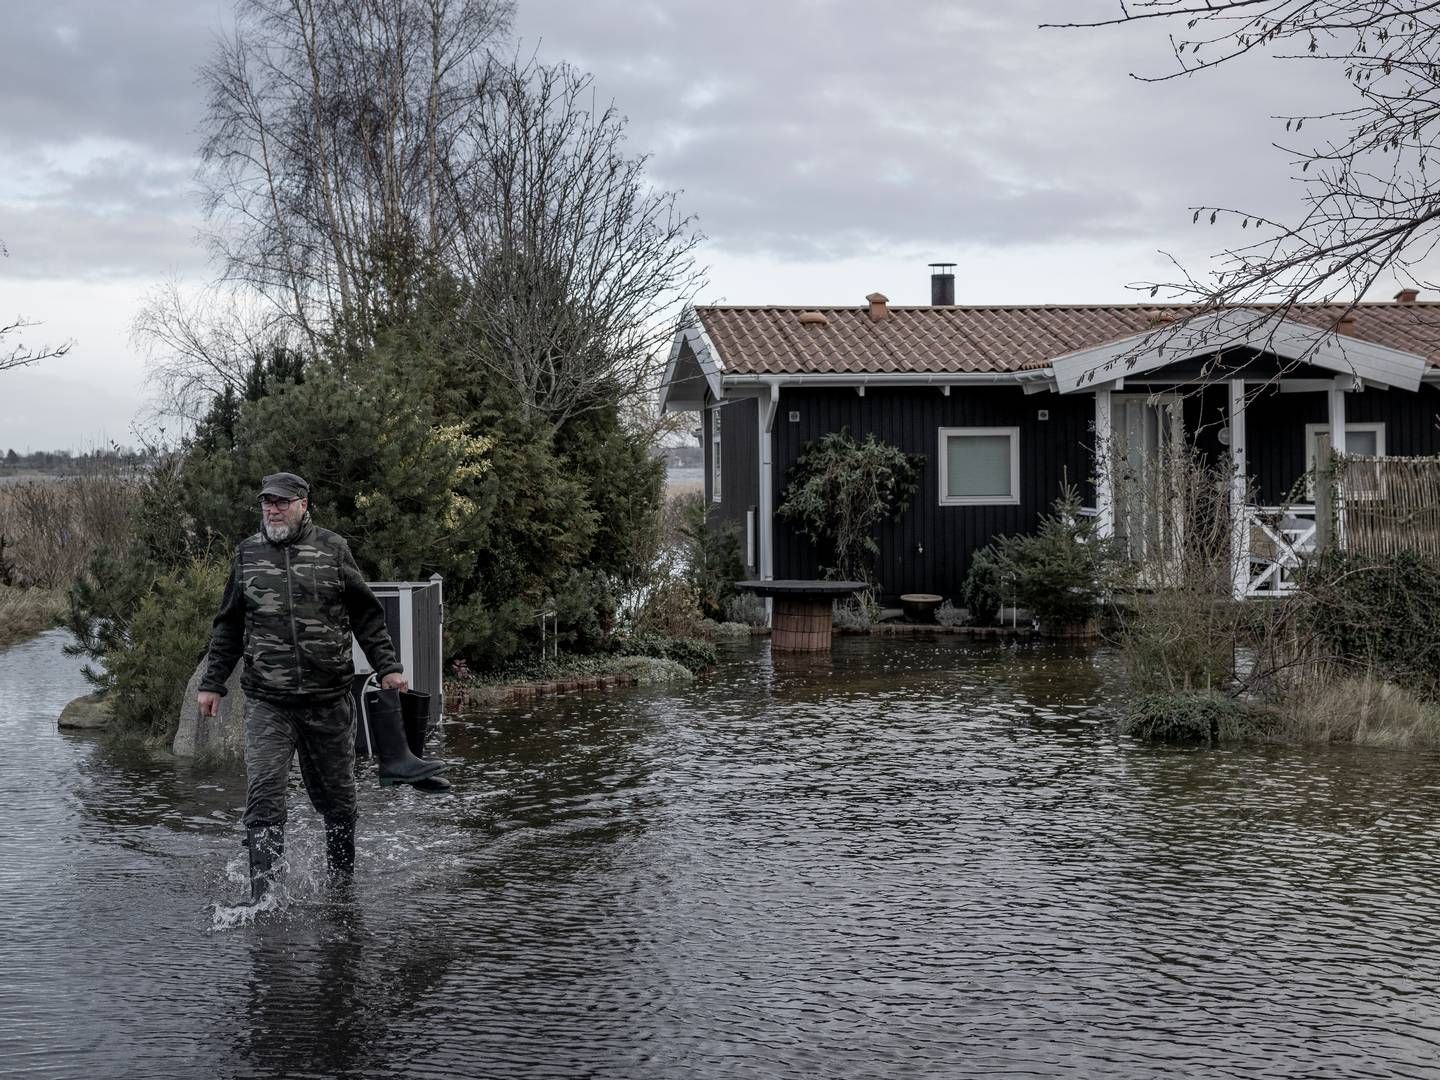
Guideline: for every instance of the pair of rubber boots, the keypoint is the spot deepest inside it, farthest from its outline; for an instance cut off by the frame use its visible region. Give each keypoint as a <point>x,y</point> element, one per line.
<point>267,849</point>
<point>398,722</point>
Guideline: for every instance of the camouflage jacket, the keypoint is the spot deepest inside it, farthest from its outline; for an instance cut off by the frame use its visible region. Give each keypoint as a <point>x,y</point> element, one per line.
<point>289,609</point>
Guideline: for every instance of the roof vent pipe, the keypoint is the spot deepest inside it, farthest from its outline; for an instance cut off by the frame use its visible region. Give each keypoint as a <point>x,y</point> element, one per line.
<point>942,284</point>
<point>1407,296</point>
<point>878,311</point>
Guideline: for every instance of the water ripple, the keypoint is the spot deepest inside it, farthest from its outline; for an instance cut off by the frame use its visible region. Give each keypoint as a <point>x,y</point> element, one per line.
<point>912,859</point>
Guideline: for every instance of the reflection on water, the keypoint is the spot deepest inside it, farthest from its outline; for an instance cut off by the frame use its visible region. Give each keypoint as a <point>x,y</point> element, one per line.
<point>913,858</point>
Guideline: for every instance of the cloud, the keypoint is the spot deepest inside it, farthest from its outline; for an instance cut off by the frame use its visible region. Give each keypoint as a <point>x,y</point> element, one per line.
<point>76,69</point>
<point>813,129</point>
<point>831,127</point>
<point>829,147</point>
<point>99,110</point>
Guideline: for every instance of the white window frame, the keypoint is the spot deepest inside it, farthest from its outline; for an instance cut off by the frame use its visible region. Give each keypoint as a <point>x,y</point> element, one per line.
<point>715,471</point>
<point>946,499</point>
<point>1312,432</point>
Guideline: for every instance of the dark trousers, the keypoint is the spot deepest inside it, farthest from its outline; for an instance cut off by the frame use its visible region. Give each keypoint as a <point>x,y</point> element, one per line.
<point>323,736</point>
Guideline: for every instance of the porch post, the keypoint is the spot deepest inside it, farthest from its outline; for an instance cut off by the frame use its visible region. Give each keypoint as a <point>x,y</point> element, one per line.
<point>1337,416</point>
<point>1104,482</point>
<point>1239,517</point>
<point>1337,446</point>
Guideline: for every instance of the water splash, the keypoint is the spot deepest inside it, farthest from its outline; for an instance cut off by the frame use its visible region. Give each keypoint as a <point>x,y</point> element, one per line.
<point>227,916</point>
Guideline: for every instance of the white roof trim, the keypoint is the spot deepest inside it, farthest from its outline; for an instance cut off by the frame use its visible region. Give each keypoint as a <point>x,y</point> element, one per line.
<point>1089,369</point>
<point>690,332</point>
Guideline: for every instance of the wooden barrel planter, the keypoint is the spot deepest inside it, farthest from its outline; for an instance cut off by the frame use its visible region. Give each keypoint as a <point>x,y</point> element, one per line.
<point>801,618</point>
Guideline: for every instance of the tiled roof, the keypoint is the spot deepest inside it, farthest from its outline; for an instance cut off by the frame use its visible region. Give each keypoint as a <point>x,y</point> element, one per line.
<point>774,340</point>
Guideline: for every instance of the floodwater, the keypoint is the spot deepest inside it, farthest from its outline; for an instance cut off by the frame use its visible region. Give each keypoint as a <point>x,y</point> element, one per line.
<point>916,859</point>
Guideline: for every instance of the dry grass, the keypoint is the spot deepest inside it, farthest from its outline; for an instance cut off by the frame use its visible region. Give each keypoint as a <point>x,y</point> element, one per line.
<point>49,529</point>
<point>681,488</point>
<point>1338,706</point>
<point>26,612</point>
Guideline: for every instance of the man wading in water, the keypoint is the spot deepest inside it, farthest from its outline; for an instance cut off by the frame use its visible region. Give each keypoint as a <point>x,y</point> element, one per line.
<point>293,600</point>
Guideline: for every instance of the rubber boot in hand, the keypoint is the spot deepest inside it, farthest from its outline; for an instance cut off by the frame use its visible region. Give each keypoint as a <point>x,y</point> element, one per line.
<point>387,729</point>
<point>415,708</point>
<point>267,846</point>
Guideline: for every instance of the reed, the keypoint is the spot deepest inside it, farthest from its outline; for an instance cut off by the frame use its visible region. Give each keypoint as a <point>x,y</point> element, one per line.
<point>1332,704</point>
<point>50,528</point>
<point>26,612</point>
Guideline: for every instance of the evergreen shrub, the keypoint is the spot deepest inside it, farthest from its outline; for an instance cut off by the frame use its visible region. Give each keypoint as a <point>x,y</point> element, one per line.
<point>1377,614</point>
<point>166,638</point>
<point>709,555</point>
<point>1192,718</point>
<point>695,654</point>
<point>982,591</point>
<point>1061,573</point>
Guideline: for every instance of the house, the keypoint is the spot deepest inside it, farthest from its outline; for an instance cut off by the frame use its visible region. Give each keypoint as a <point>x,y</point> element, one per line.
<point>1005,403</point>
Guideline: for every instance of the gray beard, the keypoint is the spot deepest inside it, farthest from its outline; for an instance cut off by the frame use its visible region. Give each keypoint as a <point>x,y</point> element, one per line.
<point>279,534</point>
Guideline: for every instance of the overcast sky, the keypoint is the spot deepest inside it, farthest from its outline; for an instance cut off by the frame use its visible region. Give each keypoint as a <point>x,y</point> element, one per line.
<point>829,148</point>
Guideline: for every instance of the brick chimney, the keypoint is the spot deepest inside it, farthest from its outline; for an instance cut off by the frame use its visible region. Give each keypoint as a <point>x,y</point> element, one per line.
<point>878,311</point>
<point>1407,296</point>
<point>1346,324</point>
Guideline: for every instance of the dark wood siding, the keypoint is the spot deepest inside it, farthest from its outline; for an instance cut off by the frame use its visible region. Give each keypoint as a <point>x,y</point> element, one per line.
<point>739,466</point>
<point>1275,430</point>
<point>928,548</point>
<point>1275,427</point>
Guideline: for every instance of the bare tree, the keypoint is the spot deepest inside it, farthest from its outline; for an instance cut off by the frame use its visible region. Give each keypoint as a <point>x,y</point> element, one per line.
<point>362,152</point>
<point>578,268</point>
<point>199,345</point>
<point>1370,208</point>
<point>331,124</point>
<point>15,354</point>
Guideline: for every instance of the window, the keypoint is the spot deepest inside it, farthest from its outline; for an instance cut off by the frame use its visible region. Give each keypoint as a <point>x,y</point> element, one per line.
<point>1362,440</point>
<point>979,466</point>
<point>1366,440</point>
<point>715,455</point>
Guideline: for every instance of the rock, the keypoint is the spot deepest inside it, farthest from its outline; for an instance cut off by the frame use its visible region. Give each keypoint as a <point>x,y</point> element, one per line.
<point>87,713</point>
<point>211,736</point>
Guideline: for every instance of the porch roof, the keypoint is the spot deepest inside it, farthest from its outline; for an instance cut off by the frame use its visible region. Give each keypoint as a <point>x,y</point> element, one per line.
<point>801,341</point>
<point>1288,339</point>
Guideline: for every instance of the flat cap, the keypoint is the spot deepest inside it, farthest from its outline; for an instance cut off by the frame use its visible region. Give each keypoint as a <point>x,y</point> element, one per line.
<point>285,485</point>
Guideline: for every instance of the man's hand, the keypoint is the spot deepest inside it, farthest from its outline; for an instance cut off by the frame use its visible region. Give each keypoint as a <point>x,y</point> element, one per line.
<point>209,703</point>
<point>395,681</point>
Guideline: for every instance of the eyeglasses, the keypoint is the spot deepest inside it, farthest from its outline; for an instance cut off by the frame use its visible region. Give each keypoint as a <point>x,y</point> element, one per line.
<point>269,501</point>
